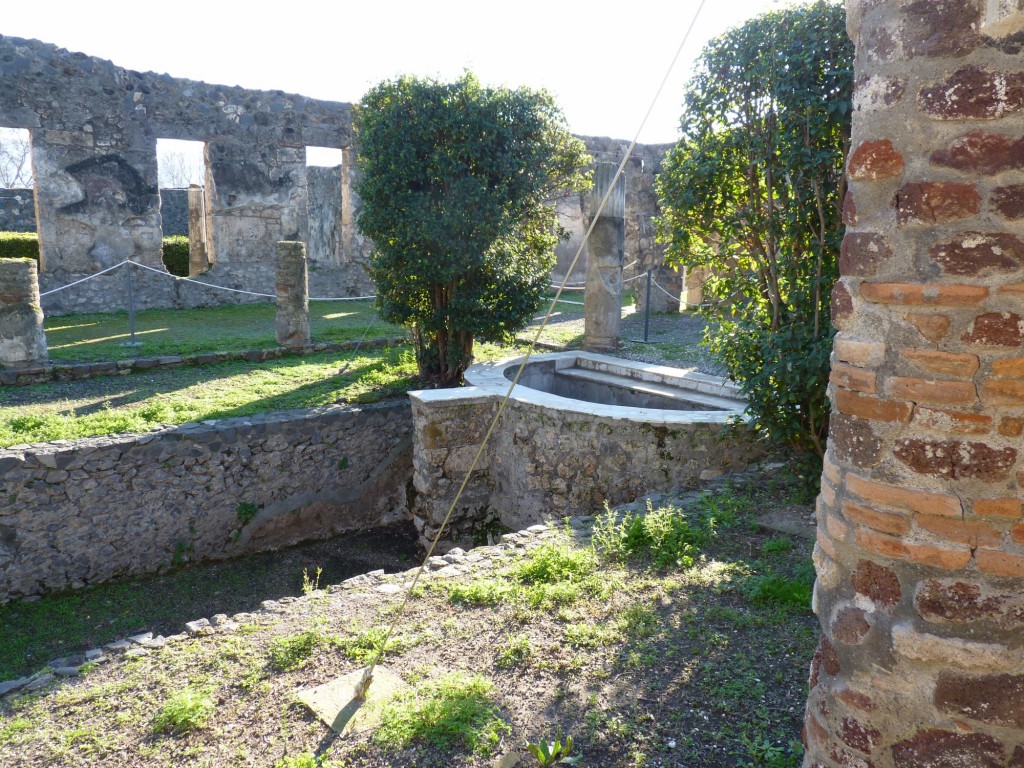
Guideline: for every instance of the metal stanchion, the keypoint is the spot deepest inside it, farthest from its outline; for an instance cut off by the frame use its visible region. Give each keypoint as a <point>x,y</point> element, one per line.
<point>647,307</point>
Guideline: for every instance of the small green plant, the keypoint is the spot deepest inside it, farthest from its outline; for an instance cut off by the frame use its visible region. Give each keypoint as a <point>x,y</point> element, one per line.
<point>776,546</point>
<point>246,511</point>
<point>343,462</point>
<point>306,760</point>
<point>778,591</point>
<point>480,592</point>
<point>668,536</point>
<point>456,710</point>
<point>185,711</point>
<point>558,752</point>
<point>516,650</point>
<point>293,651</point>
<point>309,586</point>
<point>182,549</point>
<point>365,645</point>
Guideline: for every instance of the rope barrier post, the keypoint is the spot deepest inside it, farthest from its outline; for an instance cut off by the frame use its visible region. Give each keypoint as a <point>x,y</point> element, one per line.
<point>647,307</point>
<point>131,307</point>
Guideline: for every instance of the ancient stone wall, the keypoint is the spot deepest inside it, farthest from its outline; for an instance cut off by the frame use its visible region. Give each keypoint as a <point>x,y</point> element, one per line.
<point>173,212</point>
<point>920,551</point>
<point>85,511</point>
<point>543,463</point>
<point>17,210</point>
<point>94,128</point>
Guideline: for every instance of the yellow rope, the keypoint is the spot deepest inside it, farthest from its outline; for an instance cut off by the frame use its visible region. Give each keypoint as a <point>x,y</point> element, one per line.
<point>367,678</point>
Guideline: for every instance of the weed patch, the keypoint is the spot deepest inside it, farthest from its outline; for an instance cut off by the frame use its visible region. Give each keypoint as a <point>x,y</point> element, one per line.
<point>185,711</point>
<point>455,711</point>
<point>293,651</point>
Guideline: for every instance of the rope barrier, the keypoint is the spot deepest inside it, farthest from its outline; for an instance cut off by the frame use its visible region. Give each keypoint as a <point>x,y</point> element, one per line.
<point>362,686</point>
<point>90,277</point>
<point>667,293</point>
<point>635,277</point>
<point>199,282</point>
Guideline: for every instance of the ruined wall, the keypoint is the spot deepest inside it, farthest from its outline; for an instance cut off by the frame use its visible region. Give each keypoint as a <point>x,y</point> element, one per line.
<point>920,550</point>
<point>17,210</point>
<point>94,128</point>
<point>85,511</point>
<point>173,212</point>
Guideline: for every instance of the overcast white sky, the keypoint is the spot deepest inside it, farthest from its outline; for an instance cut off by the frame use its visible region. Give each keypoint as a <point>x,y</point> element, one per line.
<point>603,61</point>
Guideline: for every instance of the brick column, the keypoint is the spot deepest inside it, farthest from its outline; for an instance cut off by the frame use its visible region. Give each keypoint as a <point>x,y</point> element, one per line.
<point>920,551</point>
<point>22,339</point>
<point>292,320</point>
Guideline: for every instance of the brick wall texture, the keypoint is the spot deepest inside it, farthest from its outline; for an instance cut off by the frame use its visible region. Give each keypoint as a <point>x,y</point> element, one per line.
<point>920,550</point>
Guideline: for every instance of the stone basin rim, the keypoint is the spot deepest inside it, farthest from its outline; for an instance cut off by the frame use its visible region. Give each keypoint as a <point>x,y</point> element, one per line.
<point>489,380</point>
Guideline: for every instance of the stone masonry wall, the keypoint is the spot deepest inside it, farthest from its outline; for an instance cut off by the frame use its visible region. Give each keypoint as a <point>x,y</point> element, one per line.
<point>94,128</point>
<point>17,210</point>
<point>86,511</point>
<point>542,464</point>
<point>920,551</point>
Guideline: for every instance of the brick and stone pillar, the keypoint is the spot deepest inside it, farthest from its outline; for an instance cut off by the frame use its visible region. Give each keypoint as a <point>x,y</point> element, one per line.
<point>22,339</point>
<point>603,297</point>
<point>292,320</point>
<point>920,551</point>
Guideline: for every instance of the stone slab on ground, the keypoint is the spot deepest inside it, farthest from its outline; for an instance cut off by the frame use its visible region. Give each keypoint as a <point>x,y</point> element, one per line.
<point>334,702</point>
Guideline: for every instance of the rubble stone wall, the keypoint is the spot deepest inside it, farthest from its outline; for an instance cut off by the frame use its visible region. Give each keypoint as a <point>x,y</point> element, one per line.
<point>86,511</point>
<point>920,550</point>
<point>17,210</point>
<point>545,464</point>
<point>94,128</point>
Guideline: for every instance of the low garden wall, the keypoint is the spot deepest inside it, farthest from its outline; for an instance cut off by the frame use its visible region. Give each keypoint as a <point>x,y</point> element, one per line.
<point>80,512</point>
<point>550,457</point>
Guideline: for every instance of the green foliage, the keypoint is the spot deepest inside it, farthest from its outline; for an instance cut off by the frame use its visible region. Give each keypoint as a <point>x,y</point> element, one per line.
<point>456,710</point>
<point>246,511</point>
<point>306,760</point>
<point>667,536</point>
<point>457,186</point>
<point>780,591</point>
<point>556,753</point>
<point>753,192</point>
<point>293,651</point>
<point>366,645</point>
<point>515,651</point>
<point>19,245</point>
<point>176,255</point>
<point>185,711</point>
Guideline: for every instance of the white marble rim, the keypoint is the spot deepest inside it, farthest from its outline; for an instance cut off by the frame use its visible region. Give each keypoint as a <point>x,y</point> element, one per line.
<point>489,380</point>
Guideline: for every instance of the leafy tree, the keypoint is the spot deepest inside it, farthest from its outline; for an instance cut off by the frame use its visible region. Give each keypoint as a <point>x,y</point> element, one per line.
<point>753,191</point>
<point>457,183</point>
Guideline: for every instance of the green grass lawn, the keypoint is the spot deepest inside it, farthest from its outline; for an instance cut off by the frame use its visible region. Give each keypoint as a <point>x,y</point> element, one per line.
<point>136,403</point>
<point>145,399</point>
<point>101,336</point>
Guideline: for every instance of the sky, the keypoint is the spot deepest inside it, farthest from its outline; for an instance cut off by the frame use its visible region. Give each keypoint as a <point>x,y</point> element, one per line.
<point>602,62</point>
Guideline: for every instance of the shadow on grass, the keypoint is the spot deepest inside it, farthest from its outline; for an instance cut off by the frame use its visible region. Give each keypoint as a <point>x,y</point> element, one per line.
<point>72,622</point>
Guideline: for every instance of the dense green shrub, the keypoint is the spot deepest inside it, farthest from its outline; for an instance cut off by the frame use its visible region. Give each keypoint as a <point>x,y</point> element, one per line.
<point>176,255</point>
<point>457,191</point>
<point>753,192</point>
<point>19,245</point>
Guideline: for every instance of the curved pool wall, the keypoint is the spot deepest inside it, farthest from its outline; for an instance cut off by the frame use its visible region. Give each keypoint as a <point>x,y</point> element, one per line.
<point>552,456</point>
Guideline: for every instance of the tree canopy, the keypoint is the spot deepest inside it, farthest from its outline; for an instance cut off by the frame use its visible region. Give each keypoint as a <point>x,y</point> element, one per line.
<point>753,191</point>
<point>457,183</point>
